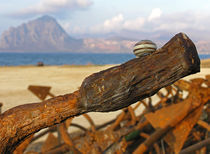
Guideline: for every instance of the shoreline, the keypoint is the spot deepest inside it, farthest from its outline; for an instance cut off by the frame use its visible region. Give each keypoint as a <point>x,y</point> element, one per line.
<point>63,79</point>
<point>205,63</point>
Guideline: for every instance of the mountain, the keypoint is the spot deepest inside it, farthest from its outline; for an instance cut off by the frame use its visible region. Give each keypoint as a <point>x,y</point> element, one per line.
<point>40,35</point>
<point>44,34</point>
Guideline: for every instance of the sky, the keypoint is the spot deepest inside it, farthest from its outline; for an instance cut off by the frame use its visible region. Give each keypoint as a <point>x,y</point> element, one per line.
<point>99,17</point>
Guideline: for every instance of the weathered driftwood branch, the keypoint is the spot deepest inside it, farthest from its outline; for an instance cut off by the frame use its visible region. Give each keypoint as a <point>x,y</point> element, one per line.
<point>108,90</point>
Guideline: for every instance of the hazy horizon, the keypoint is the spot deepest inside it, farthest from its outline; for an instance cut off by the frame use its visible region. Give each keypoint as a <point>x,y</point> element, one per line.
<point>155,20</point>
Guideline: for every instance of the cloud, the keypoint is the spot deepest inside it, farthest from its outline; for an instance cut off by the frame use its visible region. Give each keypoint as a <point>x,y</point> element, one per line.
<point>156,13</point>
<point>183,21</point>
<point>118,23</point>
<point>196,24</point>
<point>53,7</point>
<point>113,23</point>
<point>134,24</point>
<point>109,25</point>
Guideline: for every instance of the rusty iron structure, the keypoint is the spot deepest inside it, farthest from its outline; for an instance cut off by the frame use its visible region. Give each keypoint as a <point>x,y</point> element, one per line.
<point>117,88</point>
<point>177,123</point>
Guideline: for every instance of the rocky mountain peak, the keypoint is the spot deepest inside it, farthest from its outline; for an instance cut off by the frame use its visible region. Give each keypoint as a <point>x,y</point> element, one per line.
<point>42,34</point>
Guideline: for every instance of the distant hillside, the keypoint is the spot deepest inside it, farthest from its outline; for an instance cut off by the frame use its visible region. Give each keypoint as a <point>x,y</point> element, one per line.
<point>43,34</point>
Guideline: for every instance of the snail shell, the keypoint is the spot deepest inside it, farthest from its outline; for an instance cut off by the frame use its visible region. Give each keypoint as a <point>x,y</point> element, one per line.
<point>144,47</point>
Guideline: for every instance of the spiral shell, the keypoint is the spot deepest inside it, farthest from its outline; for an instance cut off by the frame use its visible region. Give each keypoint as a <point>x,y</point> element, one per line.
<point>144,47</point>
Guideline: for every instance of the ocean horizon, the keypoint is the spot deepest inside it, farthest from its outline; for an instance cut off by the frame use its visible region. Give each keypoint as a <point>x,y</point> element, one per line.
<point>18,59</point>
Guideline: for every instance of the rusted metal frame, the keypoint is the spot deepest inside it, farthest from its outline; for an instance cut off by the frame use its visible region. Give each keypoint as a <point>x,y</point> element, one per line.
<point>133,116</point>
<point>141,125</point>
<point>78,126</point>
<point>105,124</point>
<point>90,120</point>
<point>53,129</point>
<point>121,137</point>
<point>162,146</point>
<point>62,148</point>
<point>196,146</point>
<point>196,135</point>
<point>199,84</point>
<point>50,129</point>
<point>66,138</point>
<point>161,103</point>
<point>112,121</point>
<point>145,104</point>
<point>137,105</point>
<point>65,135</point>
<point>155,108</point>
<point>155,145</point>
<point>204,124</point>
<point>161,131</point>
<point>22,147</point>
<point>153,138</point>
<point>151,107</point>
<point>117,121</point>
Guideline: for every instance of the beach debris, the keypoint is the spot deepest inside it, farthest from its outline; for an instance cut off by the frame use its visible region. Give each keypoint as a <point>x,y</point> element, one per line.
<point>108,90</point>
<point>40,63</point>
<point>144,47</point>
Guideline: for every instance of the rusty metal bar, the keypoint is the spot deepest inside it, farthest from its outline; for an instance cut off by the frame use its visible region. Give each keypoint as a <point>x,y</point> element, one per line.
<point>156,147</point>
<point>196,146</point>
<point>204,124</point>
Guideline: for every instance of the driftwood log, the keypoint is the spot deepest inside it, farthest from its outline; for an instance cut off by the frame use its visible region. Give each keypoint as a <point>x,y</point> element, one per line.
<point>105,91</point>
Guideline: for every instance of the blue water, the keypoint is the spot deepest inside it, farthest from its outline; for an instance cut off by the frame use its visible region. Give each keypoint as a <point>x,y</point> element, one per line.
<point>15,59</point>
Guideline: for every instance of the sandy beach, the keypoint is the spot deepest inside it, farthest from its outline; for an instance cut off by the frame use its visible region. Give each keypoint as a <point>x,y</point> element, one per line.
<point>65,79</point>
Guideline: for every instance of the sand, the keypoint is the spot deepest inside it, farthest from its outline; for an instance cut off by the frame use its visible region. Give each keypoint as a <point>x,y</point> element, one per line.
<point>63,79</point>
<point>14,82</point>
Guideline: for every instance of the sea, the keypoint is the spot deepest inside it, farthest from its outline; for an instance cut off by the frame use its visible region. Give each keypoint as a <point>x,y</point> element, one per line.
<point>18,59</point>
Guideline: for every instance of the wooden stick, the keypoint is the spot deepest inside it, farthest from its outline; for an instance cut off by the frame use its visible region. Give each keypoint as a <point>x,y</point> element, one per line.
<point>108,90</point>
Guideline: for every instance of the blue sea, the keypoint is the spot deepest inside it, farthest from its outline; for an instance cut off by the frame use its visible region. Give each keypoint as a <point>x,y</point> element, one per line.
<point>15,59</point>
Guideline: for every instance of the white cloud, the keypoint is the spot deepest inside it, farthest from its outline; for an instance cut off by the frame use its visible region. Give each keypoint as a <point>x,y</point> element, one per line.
<point>134,24</point>
<point>118,23</point>
<point>54,6</point>
<point>113,23</point>
<point>156,13</point>
<point>109,25</point>
<point>161,26</point>
<point>183,21</point>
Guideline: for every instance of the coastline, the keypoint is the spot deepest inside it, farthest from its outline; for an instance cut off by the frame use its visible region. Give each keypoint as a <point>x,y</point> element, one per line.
<point>63,79</point>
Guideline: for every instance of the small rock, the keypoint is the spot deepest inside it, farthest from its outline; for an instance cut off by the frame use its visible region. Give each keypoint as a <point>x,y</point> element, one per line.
<point>40,64</point>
